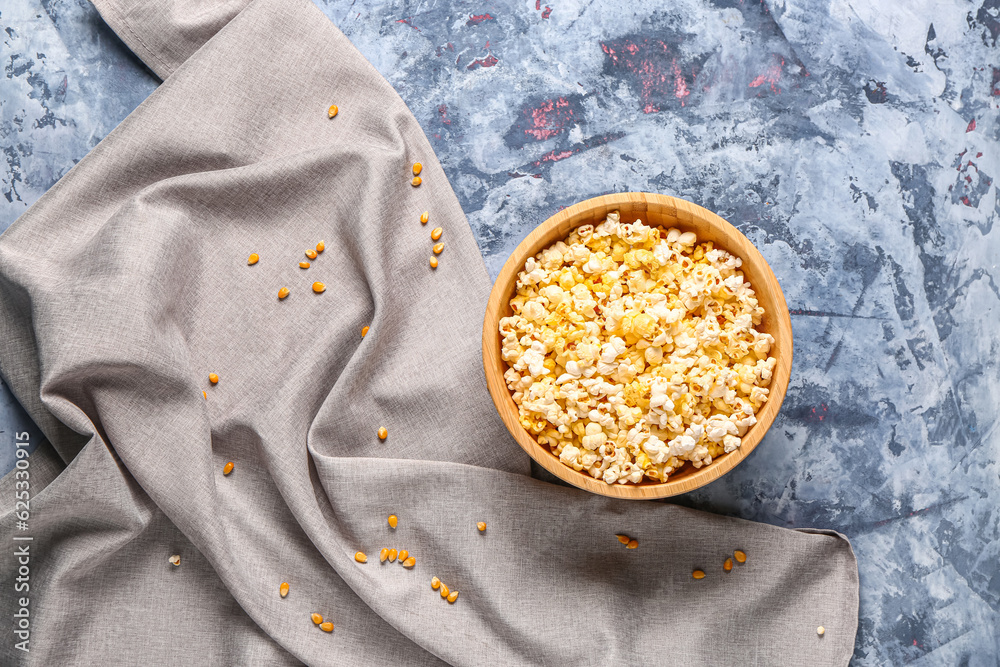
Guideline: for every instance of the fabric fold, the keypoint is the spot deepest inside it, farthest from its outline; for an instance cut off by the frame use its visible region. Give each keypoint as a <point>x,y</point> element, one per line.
<point>128,283</point>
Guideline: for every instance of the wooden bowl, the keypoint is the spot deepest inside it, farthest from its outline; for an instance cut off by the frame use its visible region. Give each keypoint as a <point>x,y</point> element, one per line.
<point>663,211</point>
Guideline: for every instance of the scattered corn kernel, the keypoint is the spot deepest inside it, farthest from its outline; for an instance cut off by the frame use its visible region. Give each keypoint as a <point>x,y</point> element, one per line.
<point>228,468</point>
<point>332,111</point>
<point>283,292</point>
<point>364,331</point>
<point>438,247</point>
<point>424,217</point>
<point>253,258</point>
<point>436,233</point>
<point>820,631</point>
<point>403,553</point>
<point>417,168</point>
<point>175,560</point>
<point>310,253</point>
<point>383,433</point>
<point>361,557</point>
<point>317,619</point>
<point>319,287</point>
<point>392,555</point>
<point>409,562</point>
<point>698,574</point>
<point>326,627</point>
<point>452,597</point>
<point>481,526</point>
<point>205,394</point>
<point>435,583</point>
<point>283,589</point>
<point>740,556</point>
<point>632,544</point>
<point>321,246</point>
<point>444,590</point>
<point>304,265</point>
<point>382,555</point>
<point>213,378</point>
<point>728,565</point>
<point>434,262</point>
<point>393,519</point>
<point>416,181</point>
<point>622,538</point>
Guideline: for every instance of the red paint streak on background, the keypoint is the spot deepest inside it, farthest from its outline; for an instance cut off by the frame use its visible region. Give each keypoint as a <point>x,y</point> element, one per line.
<point>994,88</point>
<point>771,76</point>
<point>409,21</point>
<point>538,4</point>
<point>547,13</point>
<point>657,70</point>
<point>972,125</point>
<point>488,61</point>
<point>476,19</point>
<point>443,113</point>
<point>549,118</point>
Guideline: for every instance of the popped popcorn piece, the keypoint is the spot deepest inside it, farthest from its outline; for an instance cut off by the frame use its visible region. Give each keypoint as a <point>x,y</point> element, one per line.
<point>632,351</point>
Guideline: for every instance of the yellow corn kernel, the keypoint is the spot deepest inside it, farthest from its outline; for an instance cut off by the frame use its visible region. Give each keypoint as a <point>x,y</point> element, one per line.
<point>204,394</point>
<point>821,631</point>
<point>435,583</point>
<point>228,468</point>
<point>319,287</point>
<point>253,258</point>
<point>383,433</point>
<point>633,544</point>
<point>424,217</point>
<point>326,627</point>
<point>283,589</point>
<point>416,181</point>
<point>452,597</point>
<point>436,233</point>
<point>175,560</point>
<point>438,247</point>
<point>728,565</point>
<point>332,111</point>
<point>740,556</point>
<point>393,519</point>
<point>417,168</point>
<point>213,378</point>
<point>321,246</point>
<point>444,590</point>
<point>392,555</point>
<point>481,526</point>
<point>698,574</point>
<point>403,554</point>
<point>361,557</point>
<point>304,265</point>
<point>409,562</point>
<point>283,292</point>
<point>310,253</point>
<point>622,538</point>
<point>364,331</point>
<point>434,262</point>
<point>317,619</point>
<point>383,555</point>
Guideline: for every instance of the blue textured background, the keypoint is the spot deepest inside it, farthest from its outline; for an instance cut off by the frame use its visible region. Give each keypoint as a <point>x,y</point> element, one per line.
<point>856,144</point>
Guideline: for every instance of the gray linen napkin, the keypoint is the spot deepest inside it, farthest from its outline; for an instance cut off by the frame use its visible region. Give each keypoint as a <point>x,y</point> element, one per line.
<point>127,284</point>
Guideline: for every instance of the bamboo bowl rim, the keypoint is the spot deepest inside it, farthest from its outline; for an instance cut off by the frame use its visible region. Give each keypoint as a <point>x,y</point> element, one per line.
<point>662,211</point>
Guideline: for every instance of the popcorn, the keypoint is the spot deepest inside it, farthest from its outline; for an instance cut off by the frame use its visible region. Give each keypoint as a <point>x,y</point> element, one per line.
<point>633,351</point>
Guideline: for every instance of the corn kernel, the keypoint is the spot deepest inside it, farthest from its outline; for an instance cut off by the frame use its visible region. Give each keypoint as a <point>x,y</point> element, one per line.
<point>175,560</point>
<point>481,526</point>
<point>403,555</point>
<point>213,378</point>
<point>393,519</point>
<point>416,181</point>
<point>409,562</point>
<point>444,590</point>
<point>310,253</point>
<point>424,217</point>
<point>204,394</point>
<point>821,631</point>
<point>332,111</point>
<point>364,331</point>
<point>228,468</point>
<point>361,557</point>
<point>383,433</point>
<point>304,265</point>
<point>392,555</point>
<point>436,233</point>
<point>740,556</point>
<point>435,583</point>
<point>326,627</point>
<point>698,574</point>
<point>633,544</point>
<point>452,597</point>
<point>417,168</point>
<point>383,555</point>
<point>321,246</point>
<point>253,258</point>
<point>728,565</point>
<point>434,262</point>
<point>283,589</point>
<point>316,618</point>
<point>283,292</point>
<point>319,287</point>
<point>438,247</point>
<point>623,539</point>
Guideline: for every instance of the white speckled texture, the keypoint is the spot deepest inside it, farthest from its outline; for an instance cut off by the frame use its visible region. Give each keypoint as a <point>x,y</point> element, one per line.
<point>855,143</point>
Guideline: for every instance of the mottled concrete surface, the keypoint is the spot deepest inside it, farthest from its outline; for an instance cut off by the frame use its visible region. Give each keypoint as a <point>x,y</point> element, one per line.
<point>855,143</point>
